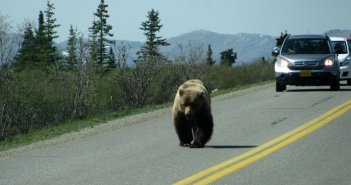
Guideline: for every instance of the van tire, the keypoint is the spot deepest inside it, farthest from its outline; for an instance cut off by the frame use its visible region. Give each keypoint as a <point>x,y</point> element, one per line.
<point>280,87</point>
<point>335,86</point>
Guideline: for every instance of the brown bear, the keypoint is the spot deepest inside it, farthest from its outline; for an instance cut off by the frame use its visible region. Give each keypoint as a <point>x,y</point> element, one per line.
<point>192,115</point>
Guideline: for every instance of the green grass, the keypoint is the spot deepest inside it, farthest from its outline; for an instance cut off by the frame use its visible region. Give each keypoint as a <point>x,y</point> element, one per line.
<point>228,90</point>
<point>77,125</point>
<point>71,126</point>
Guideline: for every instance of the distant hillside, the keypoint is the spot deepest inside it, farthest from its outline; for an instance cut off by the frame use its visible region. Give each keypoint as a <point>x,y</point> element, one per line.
<point>339,33</point>
<point>249,46</point>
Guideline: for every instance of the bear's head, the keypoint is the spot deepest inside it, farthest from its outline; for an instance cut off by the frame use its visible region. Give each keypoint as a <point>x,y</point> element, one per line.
<point>191,101</point>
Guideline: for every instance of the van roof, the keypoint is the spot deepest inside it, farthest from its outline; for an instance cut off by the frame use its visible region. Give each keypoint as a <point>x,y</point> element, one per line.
<point>307,37</point>
<point>337,38</point>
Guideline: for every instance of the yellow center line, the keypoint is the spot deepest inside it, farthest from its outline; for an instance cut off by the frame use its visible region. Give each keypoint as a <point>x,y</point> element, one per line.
<point>222,169</point>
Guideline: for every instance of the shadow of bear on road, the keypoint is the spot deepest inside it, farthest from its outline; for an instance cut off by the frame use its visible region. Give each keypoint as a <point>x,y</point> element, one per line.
<point>229,146</point>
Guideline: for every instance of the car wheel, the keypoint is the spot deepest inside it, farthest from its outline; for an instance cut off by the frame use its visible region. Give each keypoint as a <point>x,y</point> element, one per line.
<point>280,87</point>
<point>335,86</point>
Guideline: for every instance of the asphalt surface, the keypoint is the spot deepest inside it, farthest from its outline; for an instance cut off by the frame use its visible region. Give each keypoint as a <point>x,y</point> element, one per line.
<point>146,151</point>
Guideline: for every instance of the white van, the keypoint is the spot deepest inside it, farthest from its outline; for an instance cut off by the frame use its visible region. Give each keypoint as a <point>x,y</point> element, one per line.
<point>340,44</point>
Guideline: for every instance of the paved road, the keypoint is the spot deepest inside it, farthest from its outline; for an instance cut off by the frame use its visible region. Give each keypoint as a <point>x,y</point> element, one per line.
<point>147,152</point>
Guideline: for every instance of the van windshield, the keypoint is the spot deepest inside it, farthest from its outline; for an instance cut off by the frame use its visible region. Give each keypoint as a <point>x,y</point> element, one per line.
<point>306,46</point>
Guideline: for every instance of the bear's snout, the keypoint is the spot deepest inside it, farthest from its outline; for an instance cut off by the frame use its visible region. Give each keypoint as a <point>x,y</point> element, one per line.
<point>188,115</point>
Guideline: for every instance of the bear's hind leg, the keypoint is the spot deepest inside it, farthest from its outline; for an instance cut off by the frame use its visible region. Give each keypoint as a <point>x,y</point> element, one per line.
<point>198,134</point>
<point>203,133</point>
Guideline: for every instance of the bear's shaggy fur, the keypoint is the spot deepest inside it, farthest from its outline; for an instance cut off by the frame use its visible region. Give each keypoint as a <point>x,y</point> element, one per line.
<point>192,115</point>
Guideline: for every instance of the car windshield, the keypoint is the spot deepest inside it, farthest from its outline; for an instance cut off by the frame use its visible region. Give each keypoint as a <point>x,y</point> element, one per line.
<point>306,46</point>
<point>340,46</point>
<point>349,43</point>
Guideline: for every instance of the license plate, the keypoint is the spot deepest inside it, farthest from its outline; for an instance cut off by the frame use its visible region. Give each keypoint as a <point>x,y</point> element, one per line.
<point>305,73</point>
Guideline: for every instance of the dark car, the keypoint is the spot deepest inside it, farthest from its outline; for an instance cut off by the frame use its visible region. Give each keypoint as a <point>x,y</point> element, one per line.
<point>306,60</point>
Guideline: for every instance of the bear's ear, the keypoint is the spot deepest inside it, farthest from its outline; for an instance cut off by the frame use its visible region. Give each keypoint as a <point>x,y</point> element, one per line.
<point>181,92</point>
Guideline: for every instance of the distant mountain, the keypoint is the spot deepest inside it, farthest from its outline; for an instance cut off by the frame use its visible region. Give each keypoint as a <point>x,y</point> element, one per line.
<point>339,33</point>
<point>249,46</point>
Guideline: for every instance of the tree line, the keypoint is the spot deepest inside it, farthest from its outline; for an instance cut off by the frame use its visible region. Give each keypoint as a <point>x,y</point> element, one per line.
<point>37,48</point>
<point>40,87</point>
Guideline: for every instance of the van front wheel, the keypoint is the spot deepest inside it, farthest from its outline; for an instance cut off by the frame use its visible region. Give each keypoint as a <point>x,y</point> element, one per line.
<point>280,87</point>
<point>335,86</point>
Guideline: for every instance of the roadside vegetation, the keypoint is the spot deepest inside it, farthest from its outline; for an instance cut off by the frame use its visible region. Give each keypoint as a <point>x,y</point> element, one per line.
<point>44,93</point>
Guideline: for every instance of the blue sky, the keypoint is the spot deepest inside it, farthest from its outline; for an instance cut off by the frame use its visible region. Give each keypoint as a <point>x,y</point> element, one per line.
<point>181,16</point>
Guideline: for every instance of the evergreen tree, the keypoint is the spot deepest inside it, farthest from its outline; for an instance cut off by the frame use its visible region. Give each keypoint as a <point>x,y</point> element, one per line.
<point>50,25</point>
<point>209,59</point>
<point>100,31</point>
<point>111,59</point>
<point>72,58</point>
<point>228,57</point>
<point>40,42</point>
<point>153,42</point>
<point>50,34</point>
<point>26,55</point>
<point>93,48</point>
<point>280,40</point>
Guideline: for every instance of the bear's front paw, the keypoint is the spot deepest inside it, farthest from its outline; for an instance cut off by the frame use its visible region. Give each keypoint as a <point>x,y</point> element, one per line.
<point>197,145</point>
<point>184,144</point>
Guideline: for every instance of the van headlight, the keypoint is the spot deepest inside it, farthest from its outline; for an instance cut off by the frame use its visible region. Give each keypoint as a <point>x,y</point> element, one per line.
<point>328,62</point>
<point>282,62</point>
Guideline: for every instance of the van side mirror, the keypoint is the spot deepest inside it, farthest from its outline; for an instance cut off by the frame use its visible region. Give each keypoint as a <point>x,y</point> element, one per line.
<point>275,51</point>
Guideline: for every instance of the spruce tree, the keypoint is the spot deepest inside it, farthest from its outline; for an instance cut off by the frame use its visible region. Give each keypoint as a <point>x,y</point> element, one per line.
<point>111,59</point>
<point>26,56</point>
<point>149,63</point>
<point>209,59</point>
<point>72,58</point>
<point>50,25</point>
<point>50,34</point>
<point>99,33</point>
<point>280,40</point>
<point>93,48</point>
<point>40,42</point>
<point>153,42</point>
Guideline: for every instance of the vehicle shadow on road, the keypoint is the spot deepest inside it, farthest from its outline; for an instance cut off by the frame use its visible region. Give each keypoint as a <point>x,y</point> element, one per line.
<point>229,146</point>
